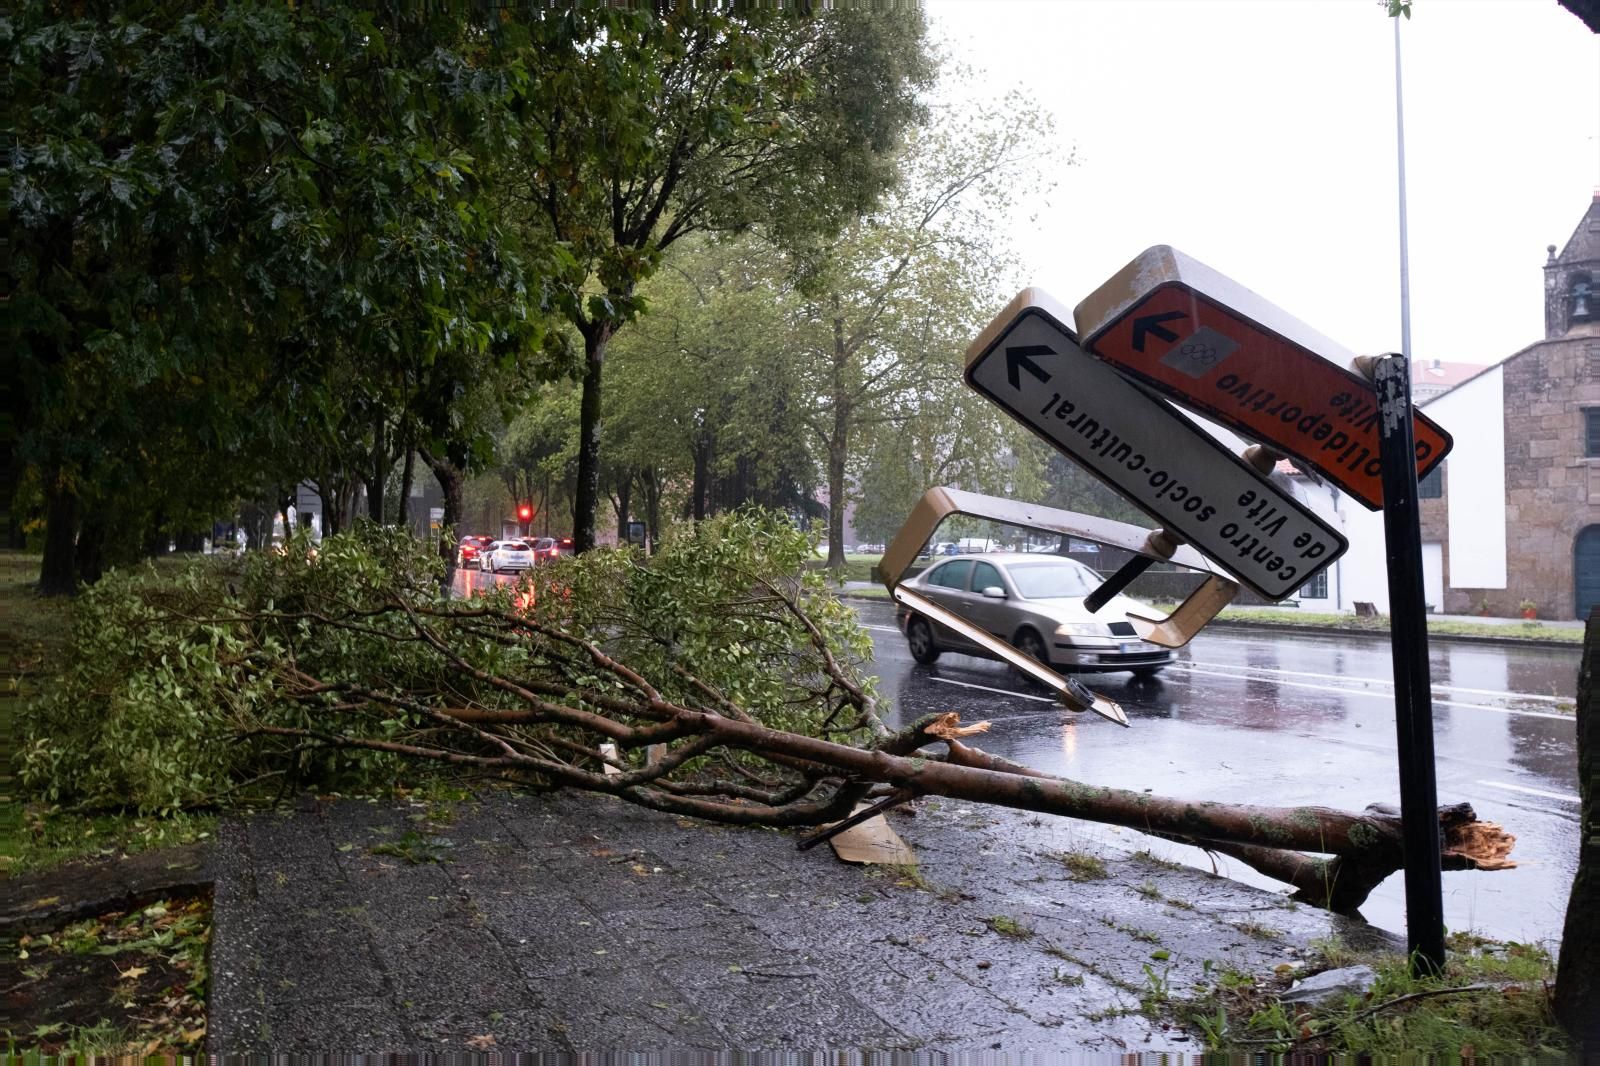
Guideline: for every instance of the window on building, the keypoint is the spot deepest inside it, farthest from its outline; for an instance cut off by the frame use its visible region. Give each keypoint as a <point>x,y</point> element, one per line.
<point>1432,486</point>
<point>1591,432</point>
<point>1316,588</point>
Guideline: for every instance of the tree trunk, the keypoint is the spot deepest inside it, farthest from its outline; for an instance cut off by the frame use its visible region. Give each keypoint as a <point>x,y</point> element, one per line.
<point>155,541</point>
<point>407,471</point>
<point>838,450</point>
<point>451,482</point>
<point>595,338</point>
<point>836,489</point>
<point>329,492</point>
<point>702,475</point>
<point>620,502</point>
<point>93,537</point>
<point>58,572</point>
<point>1578,972</point>
<point>652,507</point>
<point>378,479</point>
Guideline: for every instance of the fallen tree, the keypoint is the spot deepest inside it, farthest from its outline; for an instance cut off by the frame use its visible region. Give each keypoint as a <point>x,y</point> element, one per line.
<point>710,682</point>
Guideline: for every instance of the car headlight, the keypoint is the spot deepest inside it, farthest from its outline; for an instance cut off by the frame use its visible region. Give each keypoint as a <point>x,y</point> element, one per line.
<point>1082,629</point>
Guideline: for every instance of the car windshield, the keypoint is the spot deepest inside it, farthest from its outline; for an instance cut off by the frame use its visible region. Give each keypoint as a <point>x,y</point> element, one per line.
<point>1049,581</point>
<point>514,546</point>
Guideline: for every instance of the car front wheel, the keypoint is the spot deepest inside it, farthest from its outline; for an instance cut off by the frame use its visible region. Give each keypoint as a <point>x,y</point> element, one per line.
<point>919,635</point>
<point>1031,644</point>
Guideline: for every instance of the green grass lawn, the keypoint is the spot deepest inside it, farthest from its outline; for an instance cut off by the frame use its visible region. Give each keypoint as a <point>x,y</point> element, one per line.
<point>1380,624</point>
<point>34,630</point>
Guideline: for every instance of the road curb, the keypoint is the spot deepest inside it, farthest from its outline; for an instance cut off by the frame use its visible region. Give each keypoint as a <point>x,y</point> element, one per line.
<point>38,902</point>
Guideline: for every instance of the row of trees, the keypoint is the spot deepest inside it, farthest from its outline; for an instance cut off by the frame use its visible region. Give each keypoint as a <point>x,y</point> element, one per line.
<point>257,243</point>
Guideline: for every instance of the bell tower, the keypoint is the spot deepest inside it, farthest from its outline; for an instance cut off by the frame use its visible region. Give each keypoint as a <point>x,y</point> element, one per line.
<point>1572,281</point>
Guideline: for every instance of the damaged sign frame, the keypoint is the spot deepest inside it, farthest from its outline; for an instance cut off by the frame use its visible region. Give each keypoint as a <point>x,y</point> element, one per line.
<point>1172,631</point>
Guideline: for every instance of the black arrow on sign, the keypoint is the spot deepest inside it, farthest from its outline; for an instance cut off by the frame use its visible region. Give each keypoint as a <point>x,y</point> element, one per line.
<point>1022,356</point>
<point>1152,324</point>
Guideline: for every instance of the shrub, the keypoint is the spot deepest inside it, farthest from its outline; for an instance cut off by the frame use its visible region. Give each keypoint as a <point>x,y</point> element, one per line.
<point>175,683</point>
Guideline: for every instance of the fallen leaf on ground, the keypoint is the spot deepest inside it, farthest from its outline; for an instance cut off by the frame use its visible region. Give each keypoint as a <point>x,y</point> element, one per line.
<point>478,1043</point>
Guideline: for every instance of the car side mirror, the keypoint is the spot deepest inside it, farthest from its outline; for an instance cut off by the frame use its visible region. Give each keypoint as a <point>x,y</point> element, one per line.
<point>994,592</point>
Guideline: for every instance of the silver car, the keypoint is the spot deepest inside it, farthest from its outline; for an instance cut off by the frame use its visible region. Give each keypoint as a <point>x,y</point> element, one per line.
<point>1035,602</point>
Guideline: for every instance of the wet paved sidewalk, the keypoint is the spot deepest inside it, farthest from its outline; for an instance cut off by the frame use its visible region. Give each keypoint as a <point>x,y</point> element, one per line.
<point>578,922</point>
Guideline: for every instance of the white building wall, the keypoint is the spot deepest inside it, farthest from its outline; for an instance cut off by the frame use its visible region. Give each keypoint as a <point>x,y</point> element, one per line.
<point>1475,480</point>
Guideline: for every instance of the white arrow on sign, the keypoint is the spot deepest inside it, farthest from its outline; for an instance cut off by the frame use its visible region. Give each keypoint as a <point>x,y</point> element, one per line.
<point>1029,363</point>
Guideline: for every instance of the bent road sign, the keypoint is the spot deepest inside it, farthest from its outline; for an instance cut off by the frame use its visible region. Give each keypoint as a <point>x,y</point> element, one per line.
<point>1029,363</point>
<point>1171,631</point>
<point>1215,346</point>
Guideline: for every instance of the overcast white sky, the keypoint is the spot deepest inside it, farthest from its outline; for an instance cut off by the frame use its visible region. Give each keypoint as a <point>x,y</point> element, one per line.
<point>1259,137</point>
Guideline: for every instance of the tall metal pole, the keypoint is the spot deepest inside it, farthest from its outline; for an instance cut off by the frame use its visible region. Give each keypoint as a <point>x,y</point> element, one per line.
<point>1408,627</point>
<point>1405,257</point>
<point>1413,696</point>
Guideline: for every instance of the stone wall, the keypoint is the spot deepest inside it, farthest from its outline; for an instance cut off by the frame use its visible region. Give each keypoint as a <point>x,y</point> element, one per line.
<point>1552,490</point>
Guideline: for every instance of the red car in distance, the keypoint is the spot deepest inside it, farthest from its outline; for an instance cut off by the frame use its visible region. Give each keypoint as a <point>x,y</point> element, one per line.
<point>469,552</point>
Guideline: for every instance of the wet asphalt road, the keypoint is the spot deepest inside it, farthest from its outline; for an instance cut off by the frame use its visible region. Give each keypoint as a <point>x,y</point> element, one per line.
<point>1249,716</point>
<point>1283,719</point>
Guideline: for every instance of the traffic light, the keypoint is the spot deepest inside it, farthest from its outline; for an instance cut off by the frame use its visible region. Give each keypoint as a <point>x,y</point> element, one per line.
<point>525,512</point>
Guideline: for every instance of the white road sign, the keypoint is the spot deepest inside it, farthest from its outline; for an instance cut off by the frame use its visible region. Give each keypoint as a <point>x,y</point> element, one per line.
<point>1029,363</point>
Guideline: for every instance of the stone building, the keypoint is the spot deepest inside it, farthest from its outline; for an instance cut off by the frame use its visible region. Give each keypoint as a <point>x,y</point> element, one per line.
<point>1514,515</point>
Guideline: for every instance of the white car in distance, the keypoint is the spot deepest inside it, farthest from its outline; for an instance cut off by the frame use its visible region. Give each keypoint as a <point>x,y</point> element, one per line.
<point>507,555</point>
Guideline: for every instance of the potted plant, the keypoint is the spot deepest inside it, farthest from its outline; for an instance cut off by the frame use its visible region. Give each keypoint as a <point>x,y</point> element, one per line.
<point>1483,607</point>
<point>1529,609</point>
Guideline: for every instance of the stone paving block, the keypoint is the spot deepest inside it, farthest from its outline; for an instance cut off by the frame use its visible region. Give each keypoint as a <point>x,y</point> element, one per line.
<point>574,922</point>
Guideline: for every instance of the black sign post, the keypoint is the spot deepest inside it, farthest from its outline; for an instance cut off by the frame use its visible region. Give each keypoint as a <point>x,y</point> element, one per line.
<point>1408,634</point>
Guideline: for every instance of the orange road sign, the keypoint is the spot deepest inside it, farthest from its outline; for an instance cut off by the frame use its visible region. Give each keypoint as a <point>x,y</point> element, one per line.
<point>1218,348</point>
<point>1030,365</point>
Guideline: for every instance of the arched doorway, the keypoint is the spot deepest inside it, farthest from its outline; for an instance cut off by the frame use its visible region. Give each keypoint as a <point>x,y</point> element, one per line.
<point>1586,570</point>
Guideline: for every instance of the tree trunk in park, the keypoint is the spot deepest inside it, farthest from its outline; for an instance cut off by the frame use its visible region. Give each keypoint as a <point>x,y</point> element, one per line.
<point>156,541</point>
<point>58,571</point>
<point>837,490</point>
<point>596,336</point>
<point>451,482</point>
<point>93,536</point>
<point>377,480</point>
<point>701,484</point>
<point>1578,972</point>
<point>621,503</point>
<point>650,481</point>
<point>407,472</point>
<point>838,449</point>
<point>329,492</point>
<point>191,541</point>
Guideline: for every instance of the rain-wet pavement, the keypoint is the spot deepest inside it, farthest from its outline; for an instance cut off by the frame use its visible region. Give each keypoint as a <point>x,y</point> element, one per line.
<point>577,922</point>
<point>1260,717</point>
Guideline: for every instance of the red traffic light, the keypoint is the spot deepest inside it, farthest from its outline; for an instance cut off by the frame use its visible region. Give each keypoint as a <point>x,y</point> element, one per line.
<point>525,513</point>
